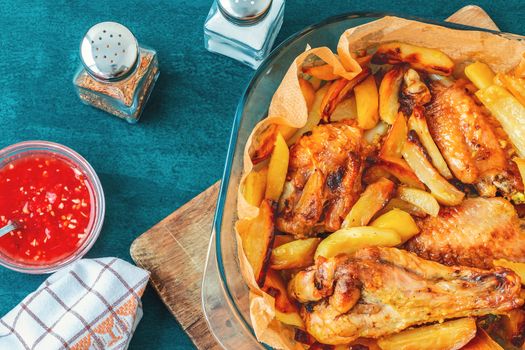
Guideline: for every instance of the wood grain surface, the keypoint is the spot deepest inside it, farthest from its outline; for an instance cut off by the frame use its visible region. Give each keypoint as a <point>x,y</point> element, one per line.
<point>175,249</point>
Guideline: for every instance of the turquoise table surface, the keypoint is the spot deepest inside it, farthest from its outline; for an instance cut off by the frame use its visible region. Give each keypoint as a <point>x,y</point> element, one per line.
<point>177,150</point>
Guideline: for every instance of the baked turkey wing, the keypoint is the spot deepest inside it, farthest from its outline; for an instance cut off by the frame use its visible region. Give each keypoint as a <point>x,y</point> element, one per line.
<point>381,291</point>
<point>473,233</point>
<point>467,137</point>
<point>323,180</point>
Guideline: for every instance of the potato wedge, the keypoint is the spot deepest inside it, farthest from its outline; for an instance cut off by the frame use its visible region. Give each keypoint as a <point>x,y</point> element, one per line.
<point>314,115</point>
<point>389,94</point>
<point>515,85</point>
<point>337,92</point>
<point>397,168</point>
<point>277,169</point>
<point>518,268</point>
<point>419,198</point>
<point>255,186</point>
<point>421,58</point>
<point>367,102</point>
<point>350,240</point>
<point>322,72</point>
<point>308,92</point>
<point>482,341</point>
<point>373,199</point>
<point>418,123</point>
<point>395,139</point>
<point>286,309</point>
<point>508,111</point>
<point>398,203</point>
<point>480,74</point>
<point>347,109</point>
<point>264,141</point>
<point>450,335</point>
<point>294,255</point>
<point>257,235</point>
<point>399,221</point>
<point>441,189</point>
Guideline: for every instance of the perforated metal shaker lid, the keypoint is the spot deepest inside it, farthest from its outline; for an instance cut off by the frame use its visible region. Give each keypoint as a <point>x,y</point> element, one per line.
<point>244,11</point>
<point>109,51</point>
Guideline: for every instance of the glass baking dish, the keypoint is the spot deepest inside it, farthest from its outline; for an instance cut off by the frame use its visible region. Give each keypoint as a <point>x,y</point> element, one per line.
<point>224,293</point>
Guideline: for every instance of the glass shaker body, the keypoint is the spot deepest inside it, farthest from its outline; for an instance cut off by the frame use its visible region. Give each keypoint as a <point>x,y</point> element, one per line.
<point>117,74</point>
<point>248,43</point>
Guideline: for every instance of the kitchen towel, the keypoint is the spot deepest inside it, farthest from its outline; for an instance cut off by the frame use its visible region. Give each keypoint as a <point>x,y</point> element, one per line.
<point>91,304</point>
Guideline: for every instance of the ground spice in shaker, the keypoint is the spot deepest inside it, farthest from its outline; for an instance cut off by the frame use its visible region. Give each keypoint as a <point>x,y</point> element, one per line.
<point>117,75</point>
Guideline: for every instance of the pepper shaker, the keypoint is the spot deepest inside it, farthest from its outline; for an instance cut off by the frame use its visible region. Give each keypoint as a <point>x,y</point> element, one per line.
<point>117,74</point>
<point>244,30</point>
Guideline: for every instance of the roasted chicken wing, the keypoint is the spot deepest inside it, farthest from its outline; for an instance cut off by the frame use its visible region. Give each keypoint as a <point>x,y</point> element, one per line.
<point>381,291</point>
<point>466,136</point>
<point>473,233</point>
<point>323,180</point>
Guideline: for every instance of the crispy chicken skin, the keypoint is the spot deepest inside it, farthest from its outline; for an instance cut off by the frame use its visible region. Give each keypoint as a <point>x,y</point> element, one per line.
<point>474,233</point>
<point>395,289</point>
<point>323,180</point>
<point>466,137</point>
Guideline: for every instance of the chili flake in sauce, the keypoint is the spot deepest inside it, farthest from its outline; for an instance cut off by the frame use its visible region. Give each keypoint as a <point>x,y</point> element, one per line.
<point>50,199</point>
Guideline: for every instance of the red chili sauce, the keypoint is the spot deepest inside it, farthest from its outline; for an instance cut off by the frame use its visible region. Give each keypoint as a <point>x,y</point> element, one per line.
<point>50,199</point>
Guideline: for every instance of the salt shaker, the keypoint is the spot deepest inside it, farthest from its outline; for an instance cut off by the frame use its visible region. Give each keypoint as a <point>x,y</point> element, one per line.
<point>117,74</point>
<point>244,30</point>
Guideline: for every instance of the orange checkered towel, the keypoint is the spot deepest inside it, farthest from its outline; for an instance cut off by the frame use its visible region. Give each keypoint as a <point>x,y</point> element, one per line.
<point>91,304</point>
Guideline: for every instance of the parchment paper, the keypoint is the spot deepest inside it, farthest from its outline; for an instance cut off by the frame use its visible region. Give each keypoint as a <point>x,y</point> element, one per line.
<point>288,107</point>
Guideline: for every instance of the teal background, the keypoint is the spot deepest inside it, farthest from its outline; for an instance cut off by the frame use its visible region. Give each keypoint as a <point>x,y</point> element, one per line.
<point>178,149</point>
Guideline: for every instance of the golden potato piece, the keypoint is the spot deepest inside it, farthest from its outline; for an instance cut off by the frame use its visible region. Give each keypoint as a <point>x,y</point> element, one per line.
<point>518,268</point>
<point>295,254</point>
<point>420,58</point>
<point>277,169</point>
<point>347,109</point>
<point>367,102</point>
<point>480,74</point>
<point>418,123</point>
<point>389,94</point>
<point>450,335</point>
<point>257,235</point>
<point>482,341</point>
<point>322,72</point>
<point>397,203</point>
<point>255,186</point>
<point>395,167</point>
<point>419,198</point>
<point>395,139</point>
<point>373,199</point>
<point>264,141</point>
<point>508,111</point>
<point>286,310</point>
<point>337,92</point>
<point>399,221</point>
<point>441,189</point>
<point>308,92</point>
<point>314,115</point>
<point>515,85</point>
<point>350,240</point>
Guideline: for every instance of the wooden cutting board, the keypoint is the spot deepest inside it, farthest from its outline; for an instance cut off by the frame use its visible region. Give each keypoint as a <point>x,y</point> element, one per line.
<point>175,249</point>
